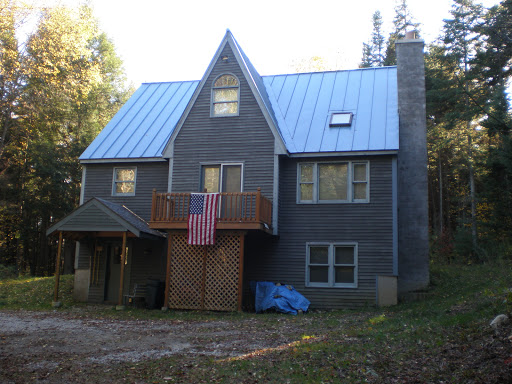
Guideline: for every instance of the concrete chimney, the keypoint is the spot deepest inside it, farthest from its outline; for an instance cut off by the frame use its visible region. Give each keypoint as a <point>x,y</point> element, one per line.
<point>413,244</point>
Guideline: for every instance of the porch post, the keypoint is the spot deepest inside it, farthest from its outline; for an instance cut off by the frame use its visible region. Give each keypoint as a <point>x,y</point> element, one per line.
<point>56,303</point>
<point>120,305</point>
<point>168,272</point>
<point>241,271</point>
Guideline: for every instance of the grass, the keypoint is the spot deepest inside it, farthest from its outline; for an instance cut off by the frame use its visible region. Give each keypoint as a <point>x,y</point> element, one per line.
<point>445,337</point>
<point>34,293</point>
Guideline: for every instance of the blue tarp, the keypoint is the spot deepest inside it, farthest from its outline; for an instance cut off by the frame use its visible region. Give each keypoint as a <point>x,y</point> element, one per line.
<point>282,298</point>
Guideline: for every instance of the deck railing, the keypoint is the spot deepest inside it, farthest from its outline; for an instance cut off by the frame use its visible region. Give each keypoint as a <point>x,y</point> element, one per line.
<point>234,207</point>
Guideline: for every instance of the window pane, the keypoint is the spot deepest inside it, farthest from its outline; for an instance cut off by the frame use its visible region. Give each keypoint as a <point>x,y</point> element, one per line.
<point>319,274</point>
<point>306,192</point>
<point>332,181</point>
<point>211,177</point>
<point>344,275</point>
<point>359,172</point>
<point>360,191</point>
<point>228,94</point>
<point>225,108</point>
<point>226,81</point>
<point>306,173</point>
<point>318,255</point>
<point>232,175</point>
<point>344,255</point>
<point>128,187</point>
<point>125,175</point>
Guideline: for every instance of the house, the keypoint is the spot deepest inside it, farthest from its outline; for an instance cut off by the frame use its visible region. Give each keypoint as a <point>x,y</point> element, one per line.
<point>323,182</point>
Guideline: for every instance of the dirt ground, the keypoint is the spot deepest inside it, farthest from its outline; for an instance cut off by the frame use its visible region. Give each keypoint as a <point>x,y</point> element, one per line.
<point>39,346</point>
<point>82,346</point>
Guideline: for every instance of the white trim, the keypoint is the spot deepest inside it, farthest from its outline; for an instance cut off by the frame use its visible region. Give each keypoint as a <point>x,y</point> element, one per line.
<point>345,153</point>
<point>114,181</point>
<point>169,177</point>
<point>82,184</point>
<point>331,264</point>
<point>316,183</point>
<point>275,196</point>
<point>122,160</point>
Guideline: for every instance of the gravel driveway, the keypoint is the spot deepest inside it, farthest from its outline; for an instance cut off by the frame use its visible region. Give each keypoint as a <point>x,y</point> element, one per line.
<point>40,345</point>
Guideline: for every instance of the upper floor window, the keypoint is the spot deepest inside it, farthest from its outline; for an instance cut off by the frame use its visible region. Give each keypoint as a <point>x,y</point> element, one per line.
<point>340,182</point>
<point>124,181</point>
<point>225,96</point>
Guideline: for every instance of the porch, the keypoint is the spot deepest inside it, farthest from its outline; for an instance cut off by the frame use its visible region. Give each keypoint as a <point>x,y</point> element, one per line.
<point>237,211</point>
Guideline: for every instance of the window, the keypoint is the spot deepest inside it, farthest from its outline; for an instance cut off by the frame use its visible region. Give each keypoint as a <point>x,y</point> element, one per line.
<point>331,265</point>
<point>225,96</point>
<point>124,181</point>
<point>221,178</point>
<point>342,119</point>
<point>340,182</point>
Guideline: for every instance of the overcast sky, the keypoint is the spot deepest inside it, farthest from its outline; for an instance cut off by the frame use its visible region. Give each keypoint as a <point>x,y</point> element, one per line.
<point>167,40</point>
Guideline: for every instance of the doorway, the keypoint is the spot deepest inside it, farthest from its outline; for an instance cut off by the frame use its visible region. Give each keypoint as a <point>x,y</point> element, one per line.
<point>112,272</point>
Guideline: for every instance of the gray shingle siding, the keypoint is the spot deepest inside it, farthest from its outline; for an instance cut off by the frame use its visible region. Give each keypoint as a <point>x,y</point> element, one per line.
<point>245,138</point>
<point>370,225</point>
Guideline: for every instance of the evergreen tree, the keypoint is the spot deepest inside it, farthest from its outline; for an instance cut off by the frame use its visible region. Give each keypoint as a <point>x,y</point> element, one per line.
<point>402,22</point>
<point>373,51</point>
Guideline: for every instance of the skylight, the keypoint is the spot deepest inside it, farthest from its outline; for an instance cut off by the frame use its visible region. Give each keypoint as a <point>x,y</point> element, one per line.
<point>341,119</point>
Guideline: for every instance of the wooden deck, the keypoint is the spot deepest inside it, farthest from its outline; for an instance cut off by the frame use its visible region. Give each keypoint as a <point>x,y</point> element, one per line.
<point>237,210</point>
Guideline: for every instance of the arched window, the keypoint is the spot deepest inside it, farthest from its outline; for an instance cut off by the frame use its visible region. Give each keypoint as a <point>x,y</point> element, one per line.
<point>225,96</point>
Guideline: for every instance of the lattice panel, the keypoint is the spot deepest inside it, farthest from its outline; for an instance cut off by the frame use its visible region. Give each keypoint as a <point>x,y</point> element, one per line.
<point>222,266</point>
<point>186,274</point>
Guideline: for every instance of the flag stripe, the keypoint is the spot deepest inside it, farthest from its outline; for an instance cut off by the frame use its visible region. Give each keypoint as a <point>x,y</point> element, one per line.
<point>202,218</point>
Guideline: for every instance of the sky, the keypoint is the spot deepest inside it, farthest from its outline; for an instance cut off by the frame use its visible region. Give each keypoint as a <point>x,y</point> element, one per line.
<point>169,40</point>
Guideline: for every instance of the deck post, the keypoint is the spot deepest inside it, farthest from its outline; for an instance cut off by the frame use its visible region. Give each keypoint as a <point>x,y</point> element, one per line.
<point>168,272</point>
<point>56,303</point>
<point>153,206</point>
<point>120,305</point>
<point>258,205</point>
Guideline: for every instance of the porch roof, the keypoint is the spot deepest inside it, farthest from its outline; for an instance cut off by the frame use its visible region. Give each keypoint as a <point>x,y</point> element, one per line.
<point>102,216</point>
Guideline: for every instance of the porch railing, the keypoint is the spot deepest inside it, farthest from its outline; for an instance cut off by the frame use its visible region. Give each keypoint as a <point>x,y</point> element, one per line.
<point>234,207</point>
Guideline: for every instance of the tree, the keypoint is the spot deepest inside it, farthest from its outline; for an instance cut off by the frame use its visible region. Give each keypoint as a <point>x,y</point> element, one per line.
<point>73,83</point>
<point>402,21</point>
<point>373,51</point>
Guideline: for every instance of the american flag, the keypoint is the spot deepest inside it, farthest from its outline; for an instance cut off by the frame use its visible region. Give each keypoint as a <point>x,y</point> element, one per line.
<point>202,218</point>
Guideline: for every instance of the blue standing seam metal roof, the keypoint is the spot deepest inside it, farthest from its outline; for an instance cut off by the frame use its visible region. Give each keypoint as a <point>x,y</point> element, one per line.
<point>301,105</point>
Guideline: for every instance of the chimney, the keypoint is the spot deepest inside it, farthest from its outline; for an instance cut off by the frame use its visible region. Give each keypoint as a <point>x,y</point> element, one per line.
<point>412,199</point>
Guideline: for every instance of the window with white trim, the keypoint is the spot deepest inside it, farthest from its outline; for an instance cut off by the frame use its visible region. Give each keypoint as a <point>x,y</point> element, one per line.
<point>124,181</point>
<point>331,265</point>
<point>225,96</point>
<point>338,182</point>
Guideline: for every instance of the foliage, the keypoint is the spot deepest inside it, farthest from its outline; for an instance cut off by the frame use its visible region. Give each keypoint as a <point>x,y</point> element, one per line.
<point>64,83</point>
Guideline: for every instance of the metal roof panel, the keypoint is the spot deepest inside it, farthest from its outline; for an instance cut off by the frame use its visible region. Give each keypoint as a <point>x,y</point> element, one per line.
<point>300,104</point>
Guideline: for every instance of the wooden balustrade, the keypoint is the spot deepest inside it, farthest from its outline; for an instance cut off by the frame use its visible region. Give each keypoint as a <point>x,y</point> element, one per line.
<point>236,210</point>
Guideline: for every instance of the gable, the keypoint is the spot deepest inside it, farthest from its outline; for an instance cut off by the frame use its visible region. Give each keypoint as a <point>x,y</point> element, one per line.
<point>245,138</point>
<point>98,215</point>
